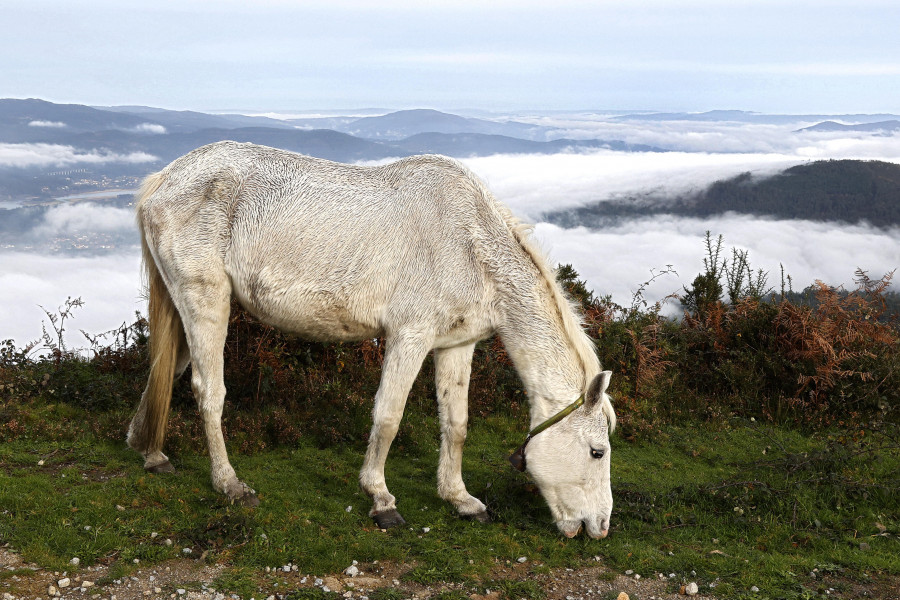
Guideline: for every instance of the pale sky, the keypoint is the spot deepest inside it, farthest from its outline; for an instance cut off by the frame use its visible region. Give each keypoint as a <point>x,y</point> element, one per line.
<point>687,55</point>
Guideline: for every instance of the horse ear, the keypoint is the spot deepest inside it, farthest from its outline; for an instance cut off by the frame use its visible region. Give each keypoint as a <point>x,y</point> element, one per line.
<point>597,389</point>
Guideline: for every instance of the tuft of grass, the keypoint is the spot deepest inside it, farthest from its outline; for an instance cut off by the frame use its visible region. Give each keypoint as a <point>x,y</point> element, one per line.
<point>238,580</point>
<point>387,593</point>
<point>516,590</point>
<point>427,574</point>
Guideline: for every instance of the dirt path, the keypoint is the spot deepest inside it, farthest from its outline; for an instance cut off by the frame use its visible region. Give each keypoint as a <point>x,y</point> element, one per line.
<point>192,579</point>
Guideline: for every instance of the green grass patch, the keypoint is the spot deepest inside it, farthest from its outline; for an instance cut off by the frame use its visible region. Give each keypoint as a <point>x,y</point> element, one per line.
<point>742,505</point>
<point>237,580</point>
<point>515,590</point>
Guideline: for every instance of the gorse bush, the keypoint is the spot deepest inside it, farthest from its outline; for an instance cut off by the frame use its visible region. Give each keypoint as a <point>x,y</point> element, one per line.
<point>827,357</point>
<point>833,359</point>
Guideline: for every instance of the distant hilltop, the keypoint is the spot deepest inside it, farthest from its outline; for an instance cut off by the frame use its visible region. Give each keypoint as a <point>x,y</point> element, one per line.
<point>886,127</point>
<point>849,191</point>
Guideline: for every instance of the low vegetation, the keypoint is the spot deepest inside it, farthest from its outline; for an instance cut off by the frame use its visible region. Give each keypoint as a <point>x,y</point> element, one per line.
<point>758,447</point>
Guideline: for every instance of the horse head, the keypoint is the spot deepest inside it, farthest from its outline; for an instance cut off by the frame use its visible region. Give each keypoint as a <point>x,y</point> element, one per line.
<point>570,460</point>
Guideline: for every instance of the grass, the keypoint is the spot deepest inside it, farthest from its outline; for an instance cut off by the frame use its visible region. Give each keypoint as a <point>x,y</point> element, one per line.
<point>740,506</point>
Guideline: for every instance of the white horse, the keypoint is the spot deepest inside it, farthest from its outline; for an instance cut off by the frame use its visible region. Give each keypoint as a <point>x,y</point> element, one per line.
<point>417,251</point>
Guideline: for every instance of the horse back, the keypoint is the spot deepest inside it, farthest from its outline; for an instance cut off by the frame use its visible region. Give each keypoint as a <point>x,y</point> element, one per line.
<point>326,250</point>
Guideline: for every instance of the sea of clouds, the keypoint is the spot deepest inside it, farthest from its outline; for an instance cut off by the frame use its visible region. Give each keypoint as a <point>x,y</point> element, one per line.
<point>614,261</point>
<point>59,155</point>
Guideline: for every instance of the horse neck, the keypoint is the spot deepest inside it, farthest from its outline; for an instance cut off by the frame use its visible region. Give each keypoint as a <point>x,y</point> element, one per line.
<point>546,359</point>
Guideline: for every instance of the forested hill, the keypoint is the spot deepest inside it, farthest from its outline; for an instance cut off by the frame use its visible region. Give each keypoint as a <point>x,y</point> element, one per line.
<point>835,190</point>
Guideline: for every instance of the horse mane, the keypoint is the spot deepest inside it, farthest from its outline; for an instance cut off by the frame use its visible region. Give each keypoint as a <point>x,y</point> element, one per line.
<point>567,310</point>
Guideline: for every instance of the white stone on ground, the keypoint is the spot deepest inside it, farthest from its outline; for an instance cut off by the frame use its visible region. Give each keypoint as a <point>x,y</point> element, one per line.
<point>691,589</point>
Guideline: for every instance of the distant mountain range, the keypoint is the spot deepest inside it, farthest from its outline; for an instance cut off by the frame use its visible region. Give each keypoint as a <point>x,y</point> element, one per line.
<point>99,137</point>
<point>168,133</point>
<point>849,191</point>
<point>55,150</point>
<point>741,116</point>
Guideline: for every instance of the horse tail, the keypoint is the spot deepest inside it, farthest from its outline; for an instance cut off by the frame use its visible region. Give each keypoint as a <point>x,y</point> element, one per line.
<point>148,427</point>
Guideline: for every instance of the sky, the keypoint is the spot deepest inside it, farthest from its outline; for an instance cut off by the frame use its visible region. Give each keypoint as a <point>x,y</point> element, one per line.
<point>775,56</point>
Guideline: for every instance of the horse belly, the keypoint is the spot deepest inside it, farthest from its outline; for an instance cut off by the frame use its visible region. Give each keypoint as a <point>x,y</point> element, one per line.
<point>311,312</point>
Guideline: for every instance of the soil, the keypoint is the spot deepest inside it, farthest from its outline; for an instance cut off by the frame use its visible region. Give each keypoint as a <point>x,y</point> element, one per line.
<point>193,579</point>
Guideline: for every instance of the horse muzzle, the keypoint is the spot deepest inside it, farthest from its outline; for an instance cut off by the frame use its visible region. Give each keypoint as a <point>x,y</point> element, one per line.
<point>596,528</point>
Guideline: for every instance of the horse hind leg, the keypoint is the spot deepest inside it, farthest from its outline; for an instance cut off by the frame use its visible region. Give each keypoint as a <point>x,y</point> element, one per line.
<point>402,361</point>
<point>207,306</point>
<point>453,367</point>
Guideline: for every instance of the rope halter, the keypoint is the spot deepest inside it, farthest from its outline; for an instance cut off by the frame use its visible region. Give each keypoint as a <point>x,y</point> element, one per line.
<point>517,458</point>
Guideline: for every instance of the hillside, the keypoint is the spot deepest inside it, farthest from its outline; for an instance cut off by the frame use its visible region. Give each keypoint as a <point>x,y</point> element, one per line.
<point>847,191</point>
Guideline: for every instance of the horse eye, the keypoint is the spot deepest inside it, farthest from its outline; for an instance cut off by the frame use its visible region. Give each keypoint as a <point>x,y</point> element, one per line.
<point>597,453</point>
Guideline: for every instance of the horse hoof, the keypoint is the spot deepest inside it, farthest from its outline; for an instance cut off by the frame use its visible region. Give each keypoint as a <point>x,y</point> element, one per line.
<point>247,499</point>
<point>388,519</point>
<point>163,467</point>
<point>481,517</point>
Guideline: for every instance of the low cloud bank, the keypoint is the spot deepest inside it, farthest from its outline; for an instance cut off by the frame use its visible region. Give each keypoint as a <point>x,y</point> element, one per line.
<point>68,219</point>
<point>109,285</point>
<point>42,155</point>
<point>617,260</point>
<point>153,128</point>
<point>82,227</point>
<point>614,261</point>
<point>534,184</point>
<point>725,136</point>
<point>57,124</point>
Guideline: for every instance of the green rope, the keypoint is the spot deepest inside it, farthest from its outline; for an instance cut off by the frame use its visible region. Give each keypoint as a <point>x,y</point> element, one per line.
<point>517,458</point>
<point>557,417</point>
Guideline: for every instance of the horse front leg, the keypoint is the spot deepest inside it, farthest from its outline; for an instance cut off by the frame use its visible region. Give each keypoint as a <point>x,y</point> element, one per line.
<point>402,360</point>
<point>453,367</point>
